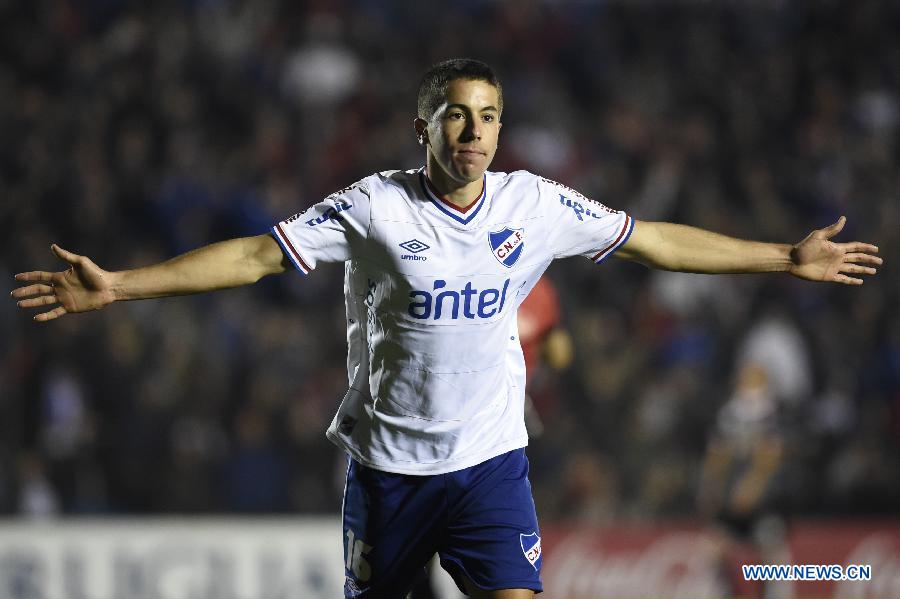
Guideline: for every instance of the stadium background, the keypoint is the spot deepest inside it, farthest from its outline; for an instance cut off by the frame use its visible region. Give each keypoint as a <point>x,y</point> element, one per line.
<point>133,131</point>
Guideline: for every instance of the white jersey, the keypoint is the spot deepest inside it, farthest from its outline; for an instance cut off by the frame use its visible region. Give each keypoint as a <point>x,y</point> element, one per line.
<point>437,375</point>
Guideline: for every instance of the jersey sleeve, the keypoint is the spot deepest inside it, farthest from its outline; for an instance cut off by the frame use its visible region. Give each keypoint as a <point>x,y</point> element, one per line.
<point>330,231</point>
<point>579,226</point>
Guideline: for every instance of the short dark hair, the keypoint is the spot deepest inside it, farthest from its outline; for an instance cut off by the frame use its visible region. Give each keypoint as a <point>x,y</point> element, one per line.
<point>433,88</point>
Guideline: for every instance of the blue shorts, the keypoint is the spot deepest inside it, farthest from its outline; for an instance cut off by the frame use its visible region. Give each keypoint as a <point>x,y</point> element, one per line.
<point>481,521</point>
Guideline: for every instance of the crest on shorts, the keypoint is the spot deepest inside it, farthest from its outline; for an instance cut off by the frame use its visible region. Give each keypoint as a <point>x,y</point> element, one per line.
<point>531,547</point>
<point>507,245</point>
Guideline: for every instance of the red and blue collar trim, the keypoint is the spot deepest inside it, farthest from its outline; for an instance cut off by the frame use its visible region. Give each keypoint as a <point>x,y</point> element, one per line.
<point>461,215</point>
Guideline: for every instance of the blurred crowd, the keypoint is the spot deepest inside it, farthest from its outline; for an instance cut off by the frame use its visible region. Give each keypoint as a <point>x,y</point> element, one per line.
<point>133,131</point>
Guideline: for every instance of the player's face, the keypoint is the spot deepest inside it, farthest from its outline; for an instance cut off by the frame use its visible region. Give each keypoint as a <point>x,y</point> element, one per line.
<point>462,134</point>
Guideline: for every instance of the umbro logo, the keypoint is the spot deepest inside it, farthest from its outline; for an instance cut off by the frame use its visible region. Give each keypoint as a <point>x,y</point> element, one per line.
<point>414,247</point>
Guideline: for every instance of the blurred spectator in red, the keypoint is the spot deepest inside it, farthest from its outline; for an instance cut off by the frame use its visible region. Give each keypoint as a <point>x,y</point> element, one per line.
<point>548,350</point>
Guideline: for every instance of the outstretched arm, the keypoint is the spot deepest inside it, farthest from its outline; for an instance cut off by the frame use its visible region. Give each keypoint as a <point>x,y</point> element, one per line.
<point>688,249</point>
<point>85,286</point>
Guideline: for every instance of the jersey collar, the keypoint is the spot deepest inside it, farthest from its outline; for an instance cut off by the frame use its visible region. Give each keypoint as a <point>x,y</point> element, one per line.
<point>461,215</point>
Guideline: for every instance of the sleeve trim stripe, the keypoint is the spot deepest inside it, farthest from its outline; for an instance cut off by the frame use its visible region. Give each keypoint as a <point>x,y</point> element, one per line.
<point>289,250</point>
<point>624,234</point>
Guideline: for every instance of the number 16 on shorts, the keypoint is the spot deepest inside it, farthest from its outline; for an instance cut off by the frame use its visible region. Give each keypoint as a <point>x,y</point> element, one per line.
<point>356,561</point>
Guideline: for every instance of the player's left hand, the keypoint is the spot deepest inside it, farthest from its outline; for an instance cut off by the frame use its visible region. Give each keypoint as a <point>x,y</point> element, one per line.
<point>816,258</point>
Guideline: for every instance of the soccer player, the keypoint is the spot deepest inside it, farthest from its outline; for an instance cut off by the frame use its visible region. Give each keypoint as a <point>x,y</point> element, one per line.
<point>437,260</point>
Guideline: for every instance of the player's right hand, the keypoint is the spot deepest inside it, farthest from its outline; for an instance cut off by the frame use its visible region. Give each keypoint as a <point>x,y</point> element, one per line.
<point>83,287</point>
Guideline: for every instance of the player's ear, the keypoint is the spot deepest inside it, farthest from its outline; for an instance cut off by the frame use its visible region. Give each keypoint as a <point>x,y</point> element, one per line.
<point>421,126</point>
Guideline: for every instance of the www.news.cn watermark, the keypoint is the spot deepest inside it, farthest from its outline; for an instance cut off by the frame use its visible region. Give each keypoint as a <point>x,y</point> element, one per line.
<point>807,572</point>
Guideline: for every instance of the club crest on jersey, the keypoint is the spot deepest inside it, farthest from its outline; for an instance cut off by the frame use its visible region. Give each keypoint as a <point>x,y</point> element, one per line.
<point>531,547</point>
<point>507,245</point>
